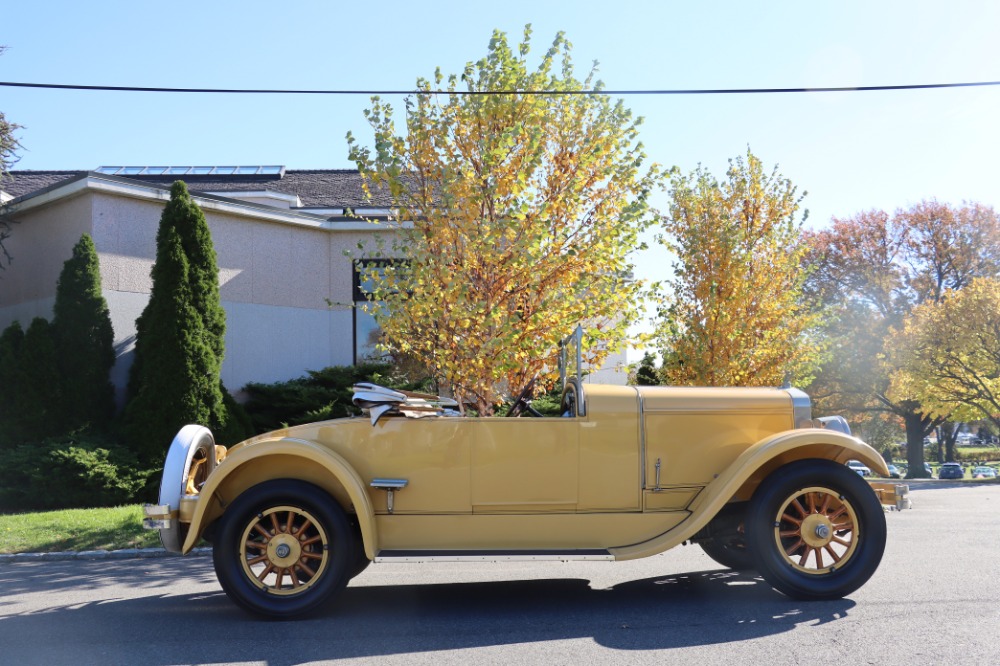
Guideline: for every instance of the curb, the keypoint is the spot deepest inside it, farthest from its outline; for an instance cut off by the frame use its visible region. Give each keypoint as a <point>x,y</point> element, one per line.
<point>88,555</point>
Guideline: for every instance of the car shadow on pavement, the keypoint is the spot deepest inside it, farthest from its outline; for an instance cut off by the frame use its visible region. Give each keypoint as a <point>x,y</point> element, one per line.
<point>675,611</point>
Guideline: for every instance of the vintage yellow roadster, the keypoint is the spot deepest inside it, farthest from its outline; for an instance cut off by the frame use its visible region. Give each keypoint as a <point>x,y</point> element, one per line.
<point>625,472</point>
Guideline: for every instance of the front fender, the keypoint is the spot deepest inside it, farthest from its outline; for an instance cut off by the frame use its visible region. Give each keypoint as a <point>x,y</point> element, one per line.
<point>259,461</point>
<point>745,473</point>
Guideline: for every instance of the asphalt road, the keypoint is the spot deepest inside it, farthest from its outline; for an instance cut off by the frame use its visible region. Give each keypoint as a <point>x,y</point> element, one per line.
<point>933,600</point>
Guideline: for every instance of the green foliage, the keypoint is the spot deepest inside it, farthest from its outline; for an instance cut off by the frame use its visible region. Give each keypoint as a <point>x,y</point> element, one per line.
<point>523,212</point>
<point>735,313</point>
<point>38,396</point>
<point>238,424</point>
<point>174,379</point>
<point>203,276</point>
<point>645,372</point>
<point>323,394</point>
<point>84,341</point>
<point>10,348</point>
<point>72,471</point>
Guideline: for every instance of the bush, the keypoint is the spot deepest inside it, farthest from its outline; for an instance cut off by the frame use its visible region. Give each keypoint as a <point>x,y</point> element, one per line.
<point>74,471</point>
<point>238,425</point>
<point>324,394</point>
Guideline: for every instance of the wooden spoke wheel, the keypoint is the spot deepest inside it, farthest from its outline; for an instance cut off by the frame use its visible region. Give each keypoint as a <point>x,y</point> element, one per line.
<point>283,548</point>
<point>815,530</point>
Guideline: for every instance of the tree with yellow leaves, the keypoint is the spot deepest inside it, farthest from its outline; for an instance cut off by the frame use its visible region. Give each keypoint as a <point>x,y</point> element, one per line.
<point>948,354</point>
<point>520,212</point>
<point>733,313</point>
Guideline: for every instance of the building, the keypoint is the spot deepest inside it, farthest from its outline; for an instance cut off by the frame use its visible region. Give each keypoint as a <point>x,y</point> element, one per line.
<point>287,242</point>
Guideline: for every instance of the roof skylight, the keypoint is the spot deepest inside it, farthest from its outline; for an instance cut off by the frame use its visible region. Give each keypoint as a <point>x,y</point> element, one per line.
<point>262,170</point>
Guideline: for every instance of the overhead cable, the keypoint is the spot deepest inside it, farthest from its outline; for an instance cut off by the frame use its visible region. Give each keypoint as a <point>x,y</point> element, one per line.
<point>687,91</point>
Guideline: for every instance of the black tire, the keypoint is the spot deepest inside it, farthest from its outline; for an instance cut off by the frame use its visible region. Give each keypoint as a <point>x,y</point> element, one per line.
<point>816,530</point>
<point>283,548</point>
<point>731,553</point>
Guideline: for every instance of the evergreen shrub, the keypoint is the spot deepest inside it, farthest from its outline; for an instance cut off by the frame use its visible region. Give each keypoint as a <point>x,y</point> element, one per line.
<point>73,471</point>
<point>84,340</point>
<point>323,394</point>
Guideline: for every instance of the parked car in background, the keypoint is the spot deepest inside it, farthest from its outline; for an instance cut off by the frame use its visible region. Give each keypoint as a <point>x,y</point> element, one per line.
<point>984,472</point>
<point>894,472</point>
<point>624,472</point>
<point>930,472</point>
<point>951,470</point>
<point>859,467</point>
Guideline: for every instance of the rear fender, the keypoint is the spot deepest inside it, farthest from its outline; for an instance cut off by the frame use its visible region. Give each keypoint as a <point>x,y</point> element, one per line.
<point>246,466</point>
<point>739,481</point>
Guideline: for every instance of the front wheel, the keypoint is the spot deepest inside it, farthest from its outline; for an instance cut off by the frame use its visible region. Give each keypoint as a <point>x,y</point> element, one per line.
<point>283,548</point>
<point>815,530</point>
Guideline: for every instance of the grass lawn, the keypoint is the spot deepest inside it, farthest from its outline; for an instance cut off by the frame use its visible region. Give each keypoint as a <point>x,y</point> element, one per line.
<point>75,529</point>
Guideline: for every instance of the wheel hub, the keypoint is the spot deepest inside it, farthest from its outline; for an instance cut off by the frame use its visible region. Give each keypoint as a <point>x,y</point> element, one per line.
<point>283,550</point>
<point>816,530</point>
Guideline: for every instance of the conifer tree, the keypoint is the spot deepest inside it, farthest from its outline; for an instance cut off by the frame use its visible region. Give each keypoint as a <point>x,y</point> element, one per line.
<point>84,341</point>
<point>37,400</point>
<point>196,240</point>
<point>10,347</point>
<point>175,375</point>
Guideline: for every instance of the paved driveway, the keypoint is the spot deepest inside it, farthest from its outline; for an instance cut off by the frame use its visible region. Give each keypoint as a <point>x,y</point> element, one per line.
<point>934,600</point>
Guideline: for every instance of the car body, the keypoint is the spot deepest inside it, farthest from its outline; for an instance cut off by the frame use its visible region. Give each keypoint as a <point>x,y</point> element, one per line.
<point>894,472</point>
<point>951,470</point>
<point>983,472</point>
<point>859,467</point>
<point>626,472</point>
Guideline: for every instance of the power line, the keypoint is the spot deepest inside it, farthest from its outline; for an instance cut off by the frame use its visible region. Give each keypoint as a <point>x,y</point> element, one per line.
<point>689,91</point>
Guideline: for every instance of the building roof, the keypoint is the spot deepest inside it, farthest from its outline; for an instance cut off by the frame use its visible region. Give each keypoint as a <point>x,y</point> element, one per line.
<point>316,188</point>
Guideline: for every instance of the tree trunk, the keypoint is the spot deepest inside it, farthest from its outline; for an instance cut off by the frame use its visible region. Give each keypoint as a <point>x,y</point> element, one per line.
<point>915,446</point>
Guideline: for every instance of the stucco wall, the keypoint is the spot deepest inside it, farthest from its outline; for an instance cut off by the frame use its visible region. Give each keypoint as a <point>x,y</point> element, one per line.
<point>40,241</point>
<point>277,282</point>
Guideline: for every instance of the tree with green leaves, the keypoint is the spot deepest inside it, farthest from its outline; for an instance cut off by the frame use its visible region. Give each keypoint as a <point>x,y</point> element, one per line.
<point>646,373</point>
<point>10,349</point>
<point>521,212</point>
<point>174,378</point>
<point>734,313</point>
<point>38,399</point>
<point>84,341</point>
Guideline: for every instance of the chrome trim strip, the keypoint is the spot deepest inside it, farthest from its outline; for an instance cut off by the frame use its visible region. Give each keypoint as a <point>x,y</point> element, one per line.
<point>387,484</point>
<point>801,408</point>
<point>642,438</point>
<point>470,557</point>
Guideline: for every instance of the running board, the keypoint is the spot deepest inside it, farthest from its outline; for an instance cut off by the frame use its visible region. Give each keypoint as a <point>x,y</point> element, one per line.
<point>590,554</point>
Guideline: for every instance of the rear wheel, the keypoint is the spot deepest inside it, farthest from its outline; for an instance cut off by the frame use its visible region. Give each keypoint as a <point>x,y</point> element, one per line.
<point>283,548</point>
<point>815,530</point>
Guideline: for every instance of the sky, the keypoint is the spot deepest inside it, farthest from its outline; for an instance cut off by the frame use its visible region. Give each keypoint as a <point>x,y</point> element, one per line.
<point>848,151</point>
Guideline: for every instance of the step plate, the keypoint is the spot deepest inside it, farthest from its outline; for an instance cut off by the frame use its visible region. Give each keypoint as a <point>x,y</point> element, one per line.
<point>586,555</point>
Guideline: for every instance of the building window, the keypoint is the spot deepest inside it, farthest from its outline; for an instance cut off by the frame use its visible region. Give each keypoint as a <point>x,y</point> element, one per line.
<point>366,330</point>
